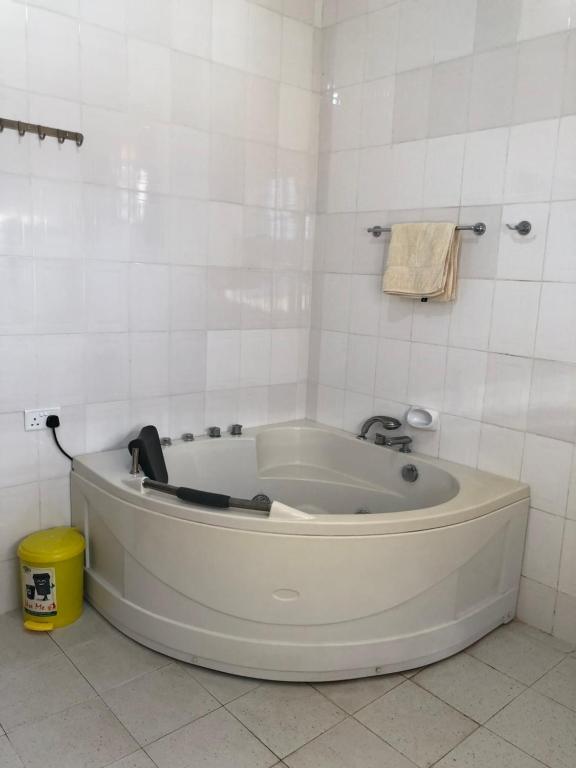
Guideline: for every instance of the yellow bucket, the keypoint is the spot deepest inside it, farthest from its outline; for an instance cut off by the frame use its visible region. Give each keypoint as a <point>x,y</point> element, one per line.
<point>52,575</point>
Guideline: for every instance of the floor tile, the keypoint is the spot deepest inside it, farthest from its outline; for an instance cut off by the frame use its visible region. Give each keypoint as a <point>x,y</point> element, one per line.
<point>8,758</point>
<point>158,702</point>
<point>560,683</point>
<point>111,659</point>
<point>409,673</point>
<point>348,745</point>
<point>217,740</point>
<point>539,726</point>
<point>486,750</point>
<point>285,716</point>
<point>40,690</point>
<point>544,637</point>
<point>87,627</point>
<point>416,723</point>
<point>20,648</point>
<point>223,687</point>
<point>516,652</point>
<point>137,760</point>
<point>85,736</point>
<point>352,695</point>
<point>469,686</point>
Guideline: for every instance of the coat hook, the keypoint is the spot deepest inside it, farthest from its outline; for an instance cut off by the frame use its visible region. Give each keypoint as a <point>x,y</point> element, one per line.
<point>523,227</point>
<point>42,131</point>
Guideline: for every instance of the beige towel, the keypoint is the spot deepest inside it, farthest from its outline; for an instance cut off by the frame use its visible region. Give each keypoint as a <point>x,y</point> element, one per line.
<point>423,261</point>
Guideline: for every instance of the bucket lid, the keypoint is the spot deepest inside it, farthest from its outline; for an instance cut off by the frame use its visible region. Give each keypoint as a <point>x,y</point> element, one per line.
<point>51,545</point>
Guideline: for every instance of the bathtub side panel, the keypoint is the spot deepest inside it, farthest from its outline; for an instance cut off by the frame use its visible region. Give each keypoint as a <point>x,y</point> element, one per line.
<point>289,579</point>
<point>105,554</point>
<point>298,607</point>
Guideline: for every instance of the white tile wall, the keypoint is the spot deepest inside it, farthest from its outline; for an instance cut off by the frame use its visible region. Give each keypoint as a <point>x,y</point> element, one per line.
<point>161,273</point>
<point>165,265</point>
<point>514,317</point>
<point>459,110</point>
<point>543,547</point>
<point>501,451</point>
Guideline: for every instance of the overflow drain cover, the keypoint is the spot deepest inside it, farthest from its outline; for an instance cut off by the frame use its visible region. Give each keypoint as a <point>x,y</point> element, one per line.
<point>410,473</point>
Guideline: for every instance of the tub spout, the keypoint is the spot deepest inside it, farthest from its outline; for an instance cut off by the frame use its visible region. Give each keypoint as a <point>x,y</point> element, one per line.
<point>387,422</point>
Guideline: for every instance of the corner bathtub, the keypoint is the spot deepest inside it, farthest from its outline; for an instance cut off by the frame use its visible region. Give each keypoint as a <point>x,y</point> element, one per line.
<point>315,591</point>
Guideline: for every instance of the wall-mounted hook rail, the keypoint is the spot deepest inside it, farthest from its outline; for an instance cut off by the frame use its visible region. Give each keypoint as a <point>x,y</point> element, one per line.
<point>41,131</point>
<point>523,227</point>
<point>479,229</point>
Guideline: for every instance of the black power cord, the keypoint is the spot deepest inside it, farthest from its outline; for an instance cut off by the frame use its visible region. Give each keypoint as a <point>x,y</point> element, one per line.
<point>53,422</point>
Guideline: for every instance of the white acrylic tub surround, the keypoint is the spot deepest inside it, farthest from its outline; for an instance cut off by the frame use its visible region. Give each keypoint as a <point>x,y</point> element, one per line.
<point>315,591</point>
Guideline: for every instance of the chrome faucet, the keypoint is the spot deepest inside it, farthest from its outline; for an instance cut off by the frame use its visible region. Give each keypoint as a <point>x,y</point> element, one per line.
<point>387,422</point>
<point>404,441</point>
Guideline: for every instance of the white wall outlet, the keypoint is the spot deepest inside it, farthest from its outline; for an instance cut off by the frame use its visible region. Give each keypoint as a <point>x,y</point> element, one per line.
<point>36,419</point>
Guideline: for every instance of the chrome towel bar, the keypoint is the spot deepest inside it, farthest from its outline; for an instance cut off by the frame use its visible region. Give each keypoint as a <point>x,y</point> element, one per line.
<point>479,229</point>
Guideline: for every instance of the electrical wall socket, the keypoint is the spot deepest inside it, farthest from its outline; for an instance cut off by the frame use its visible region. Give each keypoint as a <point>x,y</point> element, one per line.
<point>36,419</point>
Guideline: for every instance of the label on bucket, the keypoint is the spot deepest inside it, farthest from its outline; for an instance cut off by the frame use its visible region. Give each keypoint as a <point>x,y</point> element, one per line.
<point>39,587</point>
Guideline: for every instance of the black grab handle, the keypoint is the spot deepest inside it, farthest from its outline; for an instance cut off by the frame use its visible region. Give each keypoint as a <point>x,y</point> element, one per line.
<point>204,498</point>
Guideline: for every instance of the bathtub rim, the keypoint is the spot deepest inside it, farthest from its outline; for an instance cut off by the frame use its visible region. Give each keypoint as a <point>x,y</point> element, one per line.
<point>479,494</point>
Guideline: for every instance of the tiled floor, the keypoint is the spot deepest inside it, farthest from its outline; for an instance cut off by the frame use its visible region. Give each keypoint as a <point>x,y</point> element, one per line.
<point>88,697</point>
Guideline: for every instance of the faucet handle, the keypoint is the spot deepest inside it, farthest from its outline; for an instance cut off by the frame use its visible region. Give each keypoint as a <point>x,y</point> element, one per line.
<point>214,432</point>
<point>379,439</point>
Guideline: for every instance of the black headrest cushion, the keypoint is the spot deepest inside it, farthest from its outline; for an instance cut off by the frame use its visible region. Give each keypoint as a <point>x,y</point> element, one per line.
<point>151,455</point>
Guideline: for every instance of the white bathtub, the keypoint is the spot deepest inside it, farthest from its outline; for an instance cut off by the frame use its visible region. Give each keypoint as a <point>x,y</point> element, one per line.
<point>314,591</point>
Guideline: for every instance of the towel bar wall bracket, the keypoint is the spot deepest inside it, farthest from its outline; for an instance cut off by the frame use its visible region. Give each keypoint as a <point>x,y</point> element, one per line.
<point>479,229</point>
<point>41,131</point>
